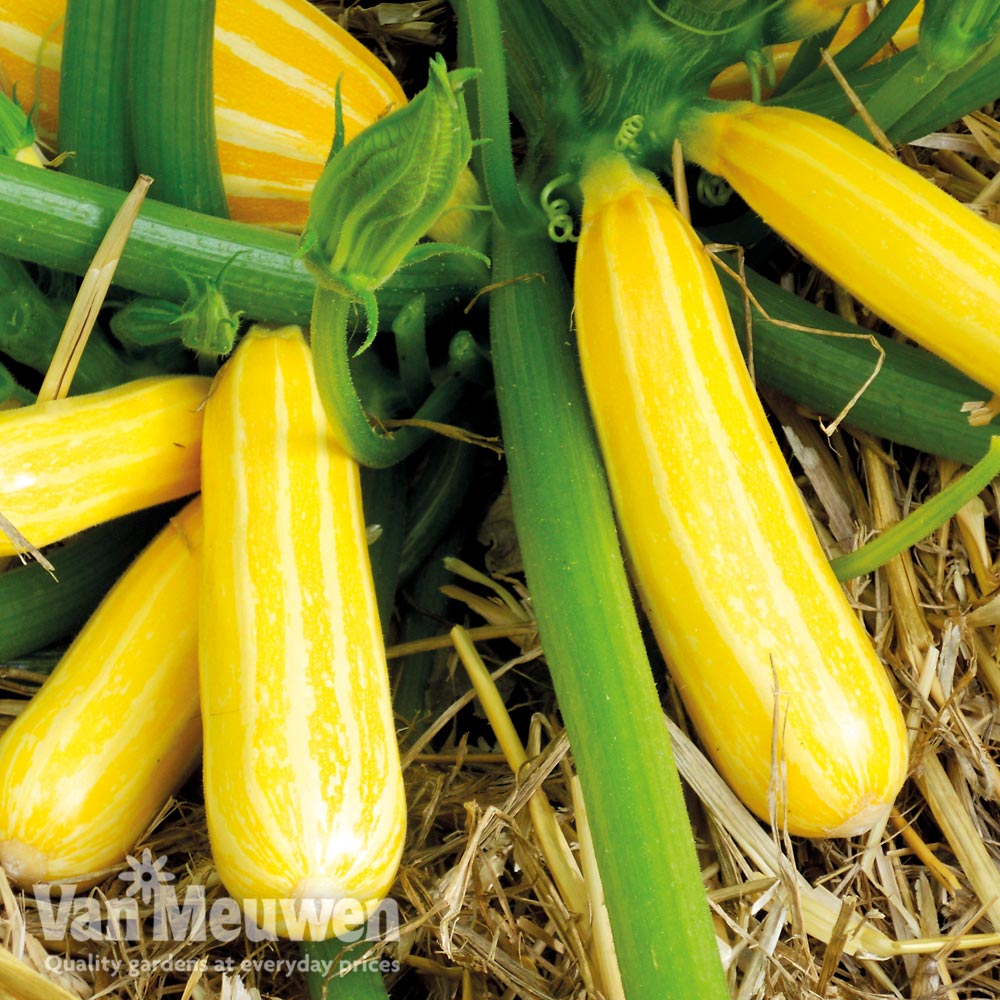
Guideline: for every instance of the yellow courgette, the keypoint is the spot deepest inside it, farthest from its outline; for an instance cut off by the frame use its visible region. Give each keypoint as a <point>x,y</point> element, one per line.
<point>913,254</point>
<point>802,18</point>
<point>71,463</point>
<point>733,83</point>
<point>276,66</point>
<point>303,784</point>
<point>771,662</point>
<point>89,763</point>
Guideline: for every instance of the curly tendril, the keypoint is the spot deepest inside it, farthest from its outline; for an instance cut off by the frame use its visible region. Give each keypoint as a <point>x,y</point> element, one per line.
<point>628,132</point>
<point>557,210</point>
<point>712,190</point>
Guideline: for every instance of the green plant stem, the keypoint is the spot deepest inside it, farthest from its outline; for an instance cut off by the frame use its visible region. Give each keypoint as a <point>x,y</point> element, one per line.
<point>916,399</point>
<point>483,19</point>
<point>955,95</point>
<point>384,491</point>
<point>410,331</point>
<point>875,37</point>
<point>439,492</point>
<point>424,618</point>
<point>93,75</point>
<point>359,984</point>
<point>807,57</point>
<point>30,327</point>
<point>12,393</point>
<point>36,611</point>
<point>910,86</point>
<point>173,108</point>
<point>926,518</point>
<point>645,851</point>
<point>58,221</point>
<point>329,335</point>
<point>961,92</point>
<point>542,65</point>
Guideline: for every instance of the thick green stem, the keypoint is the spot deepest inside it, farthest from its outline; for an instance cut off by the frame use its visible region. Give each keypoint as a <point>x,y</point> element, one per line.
<point>645,851</point>
<point>173,109</point>
<point>439,492</point>
<point>926,518</point>
<point>361,983</point>
<point>543,64</point>
<point>30,327</point>
<point>494,117</point>
<point>425,616</point>
<point>384,492</point>
<point>36,611</point>
<point>965,90</point>
<point>93,74</point>
<point>821,361</point>
<point>956,94</point>
<point>349,418</point>
<point>410,331</point>
<point>912,85</point>
<point>875,37</point>
<point>58,221</point>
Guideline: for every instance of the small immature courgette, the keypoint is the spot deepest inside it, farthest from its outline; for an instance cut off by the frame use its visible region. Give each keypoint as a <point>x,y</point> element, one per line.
<point>303,784</point>
<point>779,677</point>
<point>71,463</point>
<point>88,764</point>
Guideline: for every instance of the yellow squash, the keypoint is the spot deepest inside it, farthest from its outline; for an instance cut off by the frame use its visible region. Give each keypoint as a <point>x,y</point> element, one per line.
<point>89,763</point>
<point>303,784</point>
<point>761,642</point>
<point>809,17</point>
<point>733,83</point>
<point>913,254</point>
<point>68,464</point>
<point>276,64</point>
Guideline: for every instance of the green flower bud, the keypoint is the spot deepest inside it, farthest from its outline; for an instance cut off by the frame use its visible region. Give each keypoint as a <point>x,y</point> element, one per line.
<point>207,325</point>
<point>145,323</point>
<point>204,323</point>
<point>17,137</point>
<point>379,194</point>
<point>953,31</point>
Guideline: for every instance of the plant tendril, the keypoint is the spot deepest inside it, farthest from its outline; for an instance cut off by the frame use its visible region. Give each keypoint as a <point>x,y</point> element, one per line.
<point>628,132</point>
<point>713,191</point>
<point>557,210</point>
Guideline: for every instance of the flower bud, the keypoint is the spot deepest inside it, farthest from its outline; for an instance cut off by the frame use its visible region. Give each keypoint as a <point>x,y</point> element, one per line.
<point>378,195</point>
<point>953,31</point>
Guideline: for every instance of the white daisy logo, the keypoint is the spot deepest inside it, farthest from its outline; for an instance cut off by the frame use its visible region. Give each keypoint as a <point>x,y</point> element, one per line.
<point>146,875</point>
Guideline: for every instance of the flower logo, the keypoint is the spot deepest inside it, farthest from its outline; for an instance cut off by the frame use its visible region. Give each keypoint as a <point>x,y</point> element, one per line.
<point>147,876</point>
